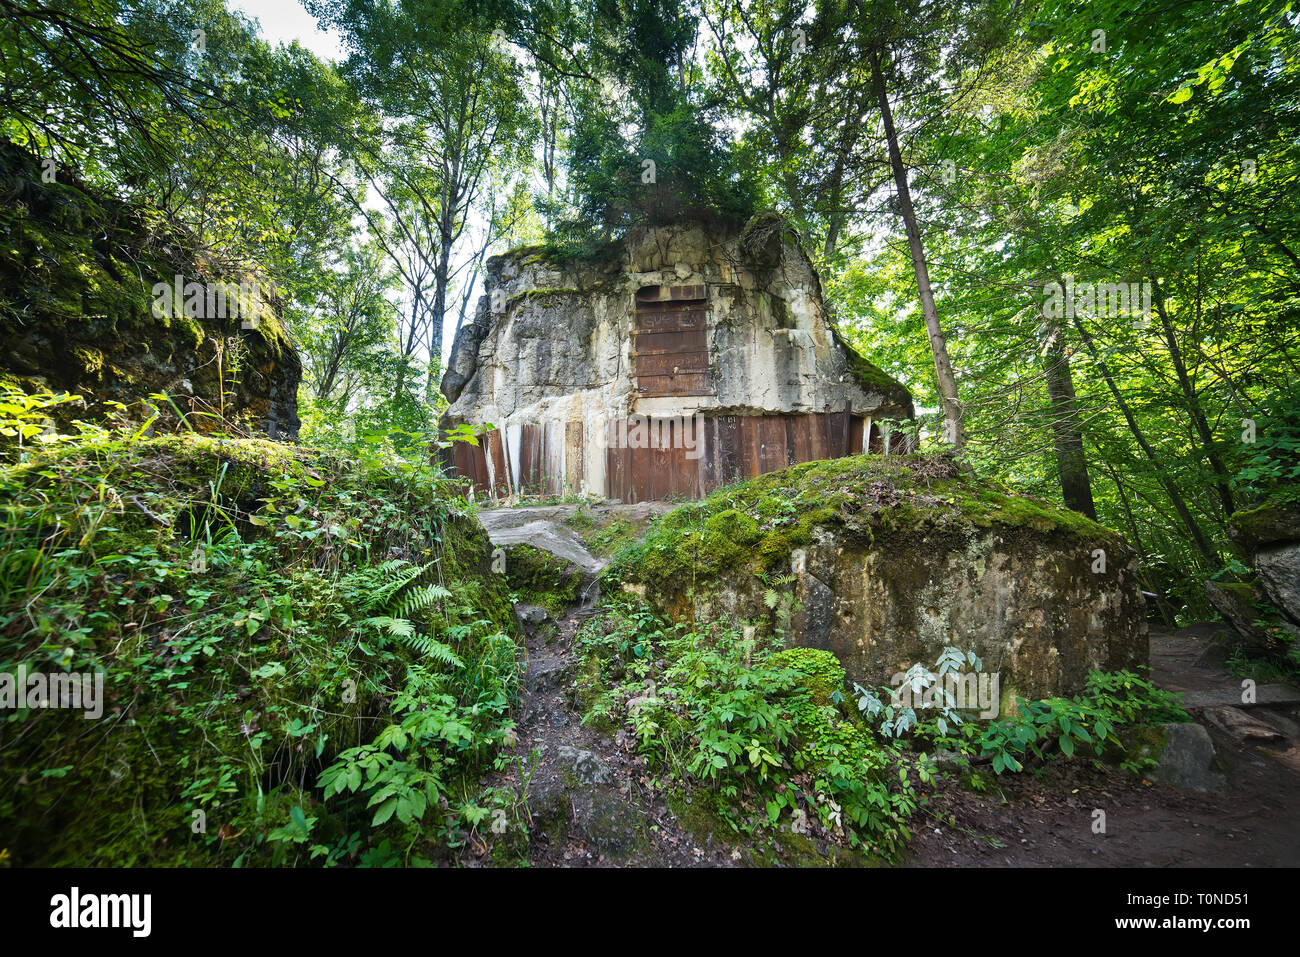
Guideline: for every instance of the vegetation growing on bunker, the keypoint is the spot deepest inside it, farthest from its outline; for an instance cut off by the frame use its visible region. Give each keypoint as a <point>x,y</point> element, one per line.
<point>304,658</point>
<point>755,525</point>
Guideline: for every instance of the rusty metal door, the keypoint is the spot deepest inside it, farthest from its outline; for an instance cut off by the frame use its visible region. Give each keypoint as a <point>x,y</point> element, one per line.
<point>671,347</point>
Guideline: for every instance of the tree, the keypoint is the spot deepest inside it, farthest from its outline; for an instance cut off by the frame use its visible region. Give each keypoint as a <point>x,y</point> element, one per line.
<point>456,125</point>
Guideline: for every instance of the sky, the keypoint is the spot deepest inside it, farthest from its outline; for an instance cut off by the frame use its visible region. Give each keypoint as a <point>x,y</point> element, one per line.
<point>283,21</point>
<point>286,20</point>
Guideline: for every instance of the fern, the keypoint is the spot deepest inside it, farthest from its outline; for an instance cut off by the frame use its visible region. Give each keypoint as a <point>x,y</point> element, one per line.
<point>391,593</point>
<point>417,600</point>
<point>392,577</point>
<point>431,647</point>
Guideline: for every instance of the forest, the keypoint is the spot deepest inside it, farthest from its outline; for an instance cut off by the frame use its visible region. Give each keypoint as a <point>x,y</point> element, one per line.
<point>1064,233</point>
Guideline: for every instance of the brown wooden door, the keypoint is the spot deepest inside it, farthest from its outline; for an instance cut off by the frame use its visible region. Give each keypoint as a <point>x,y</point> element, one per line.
<point>672,341</point>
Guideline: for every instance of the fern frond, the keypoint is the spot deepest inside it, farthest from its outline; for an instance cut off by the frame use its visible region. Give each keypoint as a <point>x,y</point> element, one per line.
<point>431,647</point>
<point>417,600</point>
<point>397,579</point>
<point>395,627</point>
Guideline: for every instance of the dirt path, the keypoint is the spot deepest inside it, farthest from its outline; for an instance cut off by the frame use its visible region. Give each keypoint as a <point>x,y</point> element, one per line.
<point>590,802</point>
<point>1254,821</point>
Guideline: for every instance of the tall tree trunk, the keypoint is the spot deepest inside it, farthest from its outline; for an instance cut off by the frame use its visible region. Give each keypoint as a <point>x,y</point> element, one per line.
<point>442,279</point>
<point>1175,497</point>
<point>1071,463</point>
<point>944,376</point>
<point>1194,409</point>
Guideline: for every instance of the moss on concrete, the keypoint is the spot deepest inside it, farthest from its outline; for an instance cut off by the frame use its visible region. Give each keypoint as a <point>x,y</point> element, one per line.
<point>754,526</point>
<point>77,273</point>
<point>544,297</point>
<point>537,577</point>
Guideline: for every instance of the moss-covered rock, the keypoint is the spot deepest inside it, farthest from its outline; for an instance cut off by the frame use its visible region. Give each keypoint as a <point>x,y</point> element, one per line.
<point>1267,524</point>
<point>537,577</point>
<point>77,312</point>
<point>890,559</point>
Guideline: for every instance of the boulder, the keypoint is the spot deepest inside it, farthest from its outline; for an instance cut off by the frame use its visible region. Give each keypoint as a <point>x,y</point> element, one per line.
<point>1266,525</point>
<point>585,767</point>
<point>1235,602</point>
<point>1187,760</point>
<point>1278,567</point>
<point>1241,727</point>
<point>886,560</point>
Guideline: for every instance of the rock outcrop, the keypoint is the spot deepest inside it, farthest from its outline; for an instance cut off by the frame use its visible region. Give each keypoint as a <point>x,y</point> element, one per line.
<point>886,560</point>
<point>81,312</point>
<point>1269,535</point>
<point>719,333</point>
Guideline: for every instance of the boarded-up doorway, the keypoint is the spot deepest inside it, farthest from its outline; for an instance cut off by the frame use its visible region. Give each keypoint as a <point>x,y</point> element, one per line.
<point>671,348</point>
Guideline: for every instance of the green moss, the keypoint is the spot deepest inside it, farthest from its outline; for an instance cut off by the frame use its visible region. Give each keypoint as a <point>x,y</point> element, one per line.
<point>1140,746</point>
<point>613,537</point>
<point>539,578</point>
<point>581,521</point>
<point>556,254</point>
<point>731,527</point>
<point>753,526</point>
<point>822,674</point>
<point>872,378</point>
<point>799,850</point>
<point>544,297</point>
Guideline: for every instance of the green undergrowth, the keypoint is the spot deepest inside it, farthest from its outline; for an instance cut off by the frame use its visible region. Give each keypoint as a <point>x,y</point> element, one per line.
<point>924,713</point>
<point>755,525</point>
<point>756,736</point>
<point>1266,667</point>
<point>769,748</point>
<point>305,656</point>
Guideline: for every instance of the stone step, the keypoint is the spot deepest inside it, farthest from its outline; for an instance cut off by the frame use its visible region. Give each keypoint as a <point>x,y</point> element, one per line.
<point>1241,727</point>
<point>548,675</point>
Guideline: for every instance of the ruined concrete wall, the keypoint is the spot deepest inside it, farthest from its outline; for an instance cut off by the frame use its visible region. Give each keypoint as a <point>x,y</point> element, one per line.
<point>1029,605</point>
<point>885,561</point>
<point>551,359</point>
